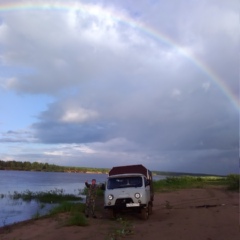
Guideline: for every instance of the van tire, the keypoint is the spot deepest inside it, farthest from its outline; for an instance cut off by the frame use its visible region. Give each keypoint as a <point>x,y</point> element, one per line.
<point>144,213</point>
<point>112,213</point>
<point>150,208</point>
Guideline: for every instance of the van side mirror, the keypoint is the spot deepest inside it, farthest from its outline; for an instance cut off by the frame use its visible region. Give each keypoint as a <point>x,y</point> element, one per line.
<point>103,187</point>
<point>147,182</point>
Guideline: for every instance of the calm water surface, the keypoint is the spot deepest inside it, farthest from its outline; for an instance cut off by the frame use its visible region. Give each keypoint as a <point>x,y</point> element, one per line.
<point>21,181</point>
<point>12,211</point>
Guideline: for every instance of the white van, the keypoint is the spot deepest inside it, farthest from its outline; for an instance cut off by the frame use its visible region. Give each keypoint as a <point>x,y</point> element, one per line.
<point>129,188</point>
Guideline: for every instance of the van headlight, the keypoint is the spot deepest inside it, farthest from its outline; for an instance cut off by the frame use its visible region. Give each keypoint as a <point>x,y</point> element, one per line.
<point>110,197</point>
<point>137,195</point>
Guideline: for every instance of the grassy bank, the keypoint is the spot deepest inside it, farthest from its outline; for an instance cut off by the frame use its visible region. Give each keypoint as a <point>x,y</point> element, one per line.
<point>66,203</point>
<point>172,183</point>
<point>76,213</point>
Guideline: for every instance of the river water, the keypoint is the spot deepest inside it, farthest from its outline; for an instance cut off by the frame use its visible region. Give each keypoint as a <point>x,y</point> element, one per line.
<point>12,211</point>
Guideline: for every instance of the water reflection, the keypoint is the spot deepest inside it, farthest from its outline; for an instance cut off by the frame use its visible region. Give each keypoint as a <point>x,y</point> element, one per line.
<point>12,210</point>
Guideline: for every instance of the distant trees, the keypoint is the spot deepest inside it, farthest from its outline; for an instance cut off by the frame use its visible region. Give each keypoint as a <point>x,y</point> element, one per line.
<point>46,167</point>
<point>28,166</point>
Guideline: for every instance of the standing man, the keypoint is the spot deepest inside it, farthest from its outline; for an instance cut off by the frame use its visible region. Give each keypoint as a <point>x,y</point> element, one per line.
<point>91,196</point>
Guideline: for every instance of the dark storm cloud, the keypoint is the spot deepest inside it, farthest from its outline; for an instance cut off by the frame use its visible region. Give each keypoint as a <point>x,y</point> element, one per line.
<point>54,132</point>
<point>127,92</point>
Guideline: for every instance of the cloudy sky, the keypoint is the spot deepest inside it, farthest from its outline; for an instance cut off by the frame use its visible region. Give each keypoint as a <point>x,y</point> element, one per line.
<point>101,83</point>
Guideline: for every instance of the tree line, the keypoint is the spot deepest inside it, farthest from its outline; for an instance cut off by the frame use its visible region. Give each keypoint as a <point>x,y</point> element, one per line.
<point>46,167</point>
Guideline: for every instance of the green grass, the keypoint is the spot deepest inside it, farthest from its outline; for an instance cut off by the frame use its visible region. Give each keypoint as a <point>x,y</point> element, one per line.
<point>68,207</point>
<point>123,229</point>
<point>77,219</point>
<point>66,204</point>
<point>36,215</point>
<point>233,181</point>
<point>52,196</point>
<point>183,182</point>
<point>76,211</point>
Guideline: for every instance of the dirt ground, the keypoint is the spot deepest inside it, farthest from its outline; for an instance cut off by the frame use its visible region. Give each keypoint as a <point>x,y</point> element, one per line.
<point>200,214</point>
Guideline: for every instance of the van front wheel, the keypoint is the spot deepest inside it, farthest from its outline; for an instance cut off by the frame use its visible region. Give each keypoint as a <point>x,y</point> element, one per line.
<point>150,209</point>
<point>144,213</point>
<point>112,213</point>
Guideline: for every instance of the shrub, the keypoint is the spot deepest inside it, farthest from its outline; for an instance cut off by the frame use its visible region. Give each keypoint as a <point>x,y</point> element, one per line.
<point>68,207</point>
<point>77,219</point>
<point>233,181</point>
<point>123,230</point>
<point>100,192</point>
<point>75,210</point>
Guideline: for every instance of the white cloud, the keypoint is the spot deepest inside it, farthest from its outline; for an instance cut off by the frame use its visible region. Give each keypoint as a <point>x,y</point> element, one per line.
<point>57,153</point>
<point>3,32</point>
<point>84,149</point>
<point>78,115</point>
<point>9,83</point>
<point>206,86</point>
<point>69,150</point>
<point>176,93</point>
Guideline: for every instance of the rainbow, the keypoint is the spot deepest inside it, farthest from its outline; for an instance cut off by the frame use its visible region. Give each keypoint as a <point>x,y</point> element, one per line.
<point>62,5</point>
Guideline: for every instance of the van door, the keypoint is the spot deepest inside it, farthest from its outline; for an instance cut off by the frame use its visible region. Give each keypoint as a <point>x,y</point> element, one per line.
<point>147,190</point>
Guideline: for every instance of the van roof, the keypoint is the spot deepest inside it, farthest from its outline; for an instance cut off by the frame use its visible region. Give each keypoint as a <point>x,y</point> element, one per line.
<point>127,175</point>
<point>130,169</point>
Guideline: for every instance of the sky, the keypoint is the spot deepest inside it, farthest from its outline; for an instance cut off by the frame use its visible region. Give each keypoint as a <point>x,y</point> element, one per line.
<point>109,83</point>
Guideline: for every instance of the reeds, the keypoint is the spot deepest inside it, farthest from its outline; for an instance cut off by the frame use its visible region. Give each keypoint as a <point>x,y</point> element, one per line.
<point>52,196</point>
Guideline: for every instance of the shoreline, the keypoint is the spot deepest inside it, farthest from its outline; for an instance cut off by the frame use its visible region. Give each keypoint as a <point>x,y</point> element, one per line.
<point>206,213</point>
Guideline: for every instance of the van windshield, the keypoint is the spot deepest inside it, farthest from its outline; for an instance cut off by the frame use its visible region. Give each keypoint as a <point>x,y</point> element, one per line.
<point>124,182</point>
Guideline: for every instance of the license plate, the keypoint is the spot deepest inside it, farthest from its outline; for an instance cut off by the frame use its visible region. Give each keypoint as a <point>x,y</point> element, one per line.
<point>133,204</point>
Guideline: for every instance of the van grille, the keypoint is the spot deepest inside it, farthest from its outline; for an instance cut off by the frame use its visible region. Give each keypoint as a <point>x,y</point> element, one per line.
<point>123,201</point>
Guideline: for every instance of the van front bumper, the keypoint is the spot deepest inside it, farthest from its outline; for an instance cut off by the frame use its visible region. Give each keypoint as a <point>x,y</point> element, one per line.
<point>124,203</point>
